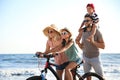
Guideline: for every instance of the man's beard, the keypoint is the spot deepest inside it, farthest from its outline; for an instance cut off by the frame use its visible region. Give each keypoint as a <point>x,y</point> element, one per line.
<point>90,25</point>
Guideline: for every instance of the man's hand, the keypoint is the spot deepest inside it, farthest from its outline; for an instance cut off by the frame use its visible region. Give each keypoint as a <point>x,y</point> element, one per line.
<point>77,40</point>
<point>81,46</point>
<point>90,39</point>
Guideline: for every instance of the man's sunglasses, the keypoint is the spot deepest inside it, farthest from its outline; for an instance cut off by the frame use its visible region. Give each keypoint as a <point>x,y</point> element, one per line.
<point>87,20</point>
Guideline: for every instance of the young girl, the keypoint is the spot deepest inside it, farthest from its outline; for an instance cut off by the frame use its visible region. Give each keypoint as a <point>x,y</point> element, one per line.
<point>95,19</point>
<point>71,51</point>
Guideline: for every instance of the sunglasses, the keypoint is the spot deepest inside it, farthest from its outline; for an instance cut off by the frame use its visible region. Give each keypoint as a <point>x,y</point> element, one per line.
<point>87,20</point>
<point>64,33</point>
<point>50,31</point>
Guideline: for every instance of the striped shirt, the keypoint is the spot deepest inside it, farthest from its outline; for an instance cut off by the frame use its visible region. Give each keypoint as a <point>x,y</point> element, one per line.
<point>94,17</point>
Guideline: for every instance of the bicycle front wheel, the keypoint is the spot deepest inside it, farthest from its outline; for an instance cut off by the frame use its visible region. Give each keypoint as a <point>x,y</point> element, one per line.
<point>91,75</point>
<point>51,75</point>
<point>34,78</point>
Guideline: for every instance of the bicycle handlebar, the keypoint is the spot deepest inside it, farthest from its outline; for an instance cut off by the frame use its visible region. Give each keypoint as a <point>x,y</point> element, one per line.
<point>46,55</point>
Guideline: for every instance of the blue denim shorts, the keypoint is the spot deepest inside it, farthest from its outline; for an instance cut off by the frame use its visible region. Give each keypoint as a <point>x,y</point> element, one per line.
<point>62,66</point>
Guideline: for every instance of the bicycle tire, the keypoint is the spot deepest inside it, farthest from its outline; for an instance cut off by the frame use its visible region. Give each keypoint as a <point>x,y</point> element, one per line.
<point>34,78</point>
<point>91,74</point>
<point>39,77</point>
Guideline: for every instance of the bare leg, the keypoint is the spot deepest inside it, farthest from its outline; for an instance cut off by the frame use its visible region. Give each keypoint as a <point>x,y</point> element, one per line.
<point>68,74</point>
<point>88,78</point>
<point>59,72</point>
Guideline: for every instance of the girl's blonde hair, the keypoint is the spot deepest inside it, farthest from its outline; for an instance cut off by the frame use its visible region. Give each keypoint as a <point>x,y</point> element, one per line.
<point>67,30</point>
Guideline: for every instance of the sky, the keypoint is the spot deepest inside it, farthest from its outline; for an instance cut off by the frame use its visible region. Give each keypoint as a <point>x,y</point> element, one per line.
<point>22,22</point>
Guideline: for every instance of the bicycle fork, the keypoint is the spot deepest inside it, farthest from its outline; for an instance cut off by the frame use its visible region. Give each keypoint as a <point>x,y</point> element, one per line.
<point>43,74</point>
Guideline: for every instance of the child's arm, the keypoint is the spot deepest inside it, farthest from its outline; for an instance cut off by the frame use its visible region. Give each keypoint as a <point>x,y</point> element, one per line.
<point>60,48</point>
<point>67,46</point>
<point>93,30</point>
<point>56,49</point>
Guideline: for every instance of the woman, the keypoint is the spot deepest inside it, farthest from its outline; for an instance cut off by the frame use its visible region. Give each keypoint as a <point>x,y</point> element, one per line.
<point>71,52</point>
<point>54,39</point>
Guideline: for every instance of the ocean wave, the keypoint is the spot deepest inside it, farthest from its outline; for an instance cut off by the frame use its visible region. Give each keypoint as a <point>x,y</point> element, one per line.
<point>22,66</point>
<point>13,74</point>
<point>18,72</point>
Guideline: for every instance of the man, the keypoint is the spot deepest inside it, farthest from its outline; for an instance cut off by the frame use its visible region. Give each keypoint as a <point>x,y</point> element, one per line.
<point>90,47</point>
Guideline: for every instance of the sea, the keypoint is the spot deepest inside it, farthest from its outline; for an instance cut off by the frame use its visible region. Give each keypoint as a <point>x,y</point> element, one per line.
<point>21,66</point>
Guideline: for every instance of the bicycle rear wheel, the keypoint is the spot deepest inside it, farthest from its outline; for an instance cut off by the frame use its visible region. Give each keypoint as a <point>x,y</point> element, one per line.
<point>93,76</point>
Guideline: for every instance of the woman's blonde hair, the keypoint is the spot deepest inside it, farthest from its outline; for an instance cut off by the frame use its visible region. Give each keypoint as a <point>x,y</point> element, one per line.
<point>54,28</point>
<point>57,36</point>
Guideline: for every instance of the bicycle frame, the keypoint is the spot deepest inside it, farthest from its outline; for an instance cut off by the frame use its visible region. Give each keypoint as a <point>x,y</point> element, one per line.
<point>74,72</point>
<point>48,65</point>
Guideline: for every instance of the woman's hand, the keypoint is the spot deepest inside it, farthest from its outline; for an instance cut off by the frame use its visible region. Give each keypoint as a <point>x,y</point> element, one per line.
<point>39,54</point>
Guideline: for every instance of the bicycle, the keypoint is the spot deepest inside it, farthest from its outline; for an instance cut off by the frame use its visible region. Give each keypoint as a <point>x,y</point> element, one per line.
<point>48,66</point>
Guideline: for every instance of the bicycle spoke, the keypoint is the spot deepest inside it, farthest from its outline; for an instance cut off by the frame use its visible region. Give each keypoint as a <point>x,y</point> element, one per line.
<point>92,78</point>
